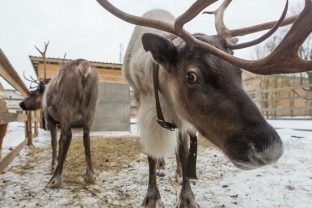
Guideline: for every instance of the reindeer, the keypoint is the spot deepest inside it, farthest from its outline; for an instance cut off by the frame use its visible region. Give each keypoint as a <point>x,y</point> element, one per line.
<point>200,86</point>
<point>70,96</point>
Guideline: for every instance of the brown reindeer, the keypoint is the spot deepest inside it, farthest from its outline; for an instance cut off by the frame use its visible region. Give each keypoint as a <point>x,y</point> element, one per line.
<point>70,96</point>
<point>200,86</point>
<point>3,130</point>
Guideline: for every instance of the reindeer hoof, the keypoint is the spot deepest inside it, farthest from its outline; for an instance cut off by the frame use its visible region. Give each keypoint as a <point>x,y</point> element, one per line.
<point>31,146</point>
<point>152,203</point>
<point>89,178</point>
<point>161,172</point>
<point>189,206</point>
<point>55,183</point>
<point>189,203</point>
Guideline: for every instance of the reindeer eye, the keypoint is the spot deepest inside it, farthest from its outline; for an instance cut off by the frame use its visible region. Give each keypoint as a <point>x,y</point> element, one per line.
<point>191,77</point>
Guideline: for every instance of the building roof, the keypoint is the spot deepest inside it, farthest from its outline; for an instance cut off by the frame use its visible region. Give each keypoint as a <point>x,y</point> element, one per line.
<point>35,60</point>
<point>8,72</point>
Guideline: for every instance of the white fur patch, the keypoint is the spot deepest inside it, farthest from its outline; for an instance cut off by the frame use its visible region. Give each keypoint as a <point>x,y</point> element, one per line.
<point>272,153</point>
<point>85,68</point>
<point>156,140</point>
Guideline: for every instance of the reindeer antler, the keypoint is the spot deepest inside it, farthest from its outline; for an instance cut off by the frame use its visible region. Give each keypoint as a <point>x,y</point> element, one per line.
<point>43,54</point>
<point>31,80</point>
<point>284,59</point>
<point>227,34</point>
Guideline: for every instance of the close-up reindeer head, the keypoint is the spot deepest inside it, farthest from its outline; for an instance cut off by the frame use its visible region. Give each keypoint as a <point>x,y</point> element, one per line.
<point>200,77</point>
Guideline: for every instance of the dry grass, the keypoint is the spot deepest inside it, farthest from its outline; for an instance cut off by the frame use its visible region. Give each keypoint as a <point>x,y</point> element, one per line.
<point>110,153</point>
<point>107,154</point>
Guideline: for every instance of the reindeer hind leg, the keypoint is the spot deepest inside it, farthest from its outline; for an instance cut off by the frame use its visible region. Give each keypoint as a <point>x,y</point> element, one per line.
<point>64,143</point>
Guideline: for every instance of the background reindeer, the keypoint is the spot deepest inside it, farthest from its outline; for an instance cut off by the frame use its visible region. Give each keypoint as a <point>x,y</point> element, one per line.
<point>70,96</point>
<point>200,86</point>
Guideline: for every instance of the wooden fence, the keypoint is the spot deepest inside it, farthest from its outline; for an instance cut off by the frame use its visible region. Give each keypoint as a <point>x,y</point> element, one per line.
<point>31,119</point>
<point>291,102</point>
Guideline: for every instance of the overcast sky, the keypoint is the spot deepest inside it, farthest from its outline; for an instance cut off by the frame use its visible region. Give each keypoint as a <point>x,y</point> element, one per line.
<point>83,29</point>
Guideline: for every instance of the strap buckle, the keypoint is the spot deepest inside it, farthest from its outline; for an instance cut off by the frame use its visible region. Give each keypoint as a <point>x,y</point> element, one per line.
<point>166,125</point>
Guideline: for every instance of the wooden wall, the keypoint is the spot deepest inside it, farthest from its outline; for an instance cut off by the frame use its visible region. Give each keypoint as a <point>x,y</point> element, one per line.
<point>108,73</point>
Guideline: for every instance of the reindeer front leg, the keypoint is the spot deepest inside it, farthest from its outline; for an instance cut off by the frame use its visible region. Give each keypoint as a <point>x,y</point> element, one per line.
<point>186,198</point>
<point>152,198</point>
<point>52,128</point>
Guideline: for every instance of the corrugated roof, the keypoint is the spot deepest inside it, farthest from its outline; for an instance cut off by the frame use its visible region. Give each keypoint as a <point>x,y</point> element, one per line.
<point>37,59</point>
<point>61,60</point>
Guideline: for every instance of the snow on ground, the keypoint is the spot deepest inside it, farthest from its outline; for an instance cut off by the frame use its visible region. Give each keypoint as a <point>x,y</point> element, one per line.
<point>287,183</point>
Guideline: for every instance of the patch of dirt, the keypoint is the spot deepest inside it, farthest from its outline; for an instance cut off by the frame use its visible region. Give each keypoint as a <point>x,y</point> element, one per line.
<point>112,154</point>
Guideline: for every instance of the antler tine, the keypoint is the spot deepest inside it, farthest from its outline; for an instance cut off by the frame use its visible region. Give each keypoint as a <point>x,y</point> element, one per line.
<point>187,16</point>
<point>31,87</point>
<point>263,37</point>
<point>45,48</point>
<point>223,31</point>
<point>157,24</point>
<point>32,79</point>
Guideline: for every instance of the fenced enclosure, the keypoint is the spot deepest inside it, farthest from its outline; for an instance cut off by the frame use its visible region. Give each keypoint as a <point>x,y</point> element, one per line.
<point>31,119</point>
<point>288,102</point>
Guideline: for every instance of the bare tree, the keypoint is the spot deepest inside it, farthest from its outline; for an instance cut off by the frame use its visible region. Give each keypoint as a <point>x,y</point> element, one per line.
<point>269,81</point>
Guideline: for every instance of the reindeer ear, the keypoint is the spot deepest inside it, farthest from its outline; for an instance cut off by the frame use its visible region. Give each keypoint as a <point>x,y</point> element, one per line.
<point>41,86</point>
<point>163,51</point>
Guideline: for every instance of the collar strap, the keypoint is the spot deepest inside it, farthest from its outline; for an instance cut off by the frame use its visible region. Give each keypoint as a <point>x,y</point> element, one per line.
<point>160,118</point>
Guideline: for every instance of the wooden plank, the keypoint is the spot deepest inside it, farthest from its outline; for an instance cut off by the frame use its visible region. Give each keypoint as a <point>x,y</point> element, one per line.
<point>10,75</point>
<point>303,97</point>
<point>6,160</point>
<point>52,70</point>
<point>282,88</point>
<point>3,106</point>
<point>285,108</point>
<point>6,117</point>
<point>105,75</point>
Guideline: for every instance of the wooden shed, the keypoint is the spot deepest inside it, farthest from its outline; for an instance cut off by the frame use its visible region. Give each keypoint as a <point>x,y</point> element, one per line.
<point>108,72</point>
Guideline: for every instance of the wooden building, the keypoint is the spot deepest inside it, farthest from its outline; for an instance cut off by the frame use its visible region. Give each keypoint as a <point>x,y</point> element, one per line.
<point>108,72</point>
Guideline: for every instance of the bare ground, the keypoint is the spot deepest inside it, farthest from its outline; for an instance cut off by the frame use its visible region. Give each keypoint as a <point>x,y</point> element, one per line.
<point>122,175</point>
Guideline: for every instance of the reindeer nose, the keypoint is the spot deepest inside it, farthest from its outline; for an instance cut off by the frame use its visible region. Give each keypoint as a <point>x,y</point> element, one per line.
<point>259,159</point>
<point>270,152</point>
<point>269,155</point>
<point>22,105</point>
<point>255,147</point>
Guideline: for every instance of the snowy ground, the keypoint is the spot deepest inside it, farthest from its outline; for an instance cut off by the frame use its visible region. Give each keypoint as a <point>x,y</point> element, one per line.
<point>287,183</point>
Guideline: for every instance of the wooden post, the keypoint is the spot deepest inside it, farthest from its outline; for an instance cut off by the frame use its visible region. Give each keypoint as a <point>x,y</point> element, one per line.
<point>36,123</point>
<point>6,160</point>
<point>29,129</point>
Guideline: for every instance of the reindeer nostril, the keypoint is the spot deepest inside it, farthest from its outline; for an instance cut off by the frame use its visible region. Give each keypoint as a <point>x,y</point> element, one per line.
<point>258,160</point>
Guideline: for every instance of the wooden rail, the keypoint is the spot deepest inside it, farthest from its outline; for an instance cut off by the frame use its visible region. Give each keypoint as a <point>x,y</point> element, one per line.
<point>288,101</point>
<point>31,119</point>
